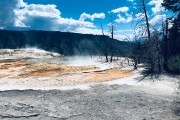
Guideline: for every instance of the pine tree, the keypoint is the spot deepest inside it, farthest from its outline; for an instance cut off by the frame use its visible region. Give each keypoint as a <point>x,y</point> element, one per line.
<point>173,5</point>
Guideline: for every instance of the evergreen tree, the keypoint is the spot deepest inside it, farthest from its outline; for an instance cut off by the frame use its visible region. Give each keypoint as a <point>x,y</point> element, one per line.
<point>173,5</point>
<point>174,35</point>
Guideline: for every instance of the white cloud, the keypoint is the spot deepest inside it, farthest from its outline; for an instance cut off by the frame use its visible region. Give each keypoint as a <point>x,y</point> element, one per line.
<point>30,14</point>
<point>85,30</point>
<point>97,15</point>
<point>41,10</point>
<point>140,16</point>
<point>92,17</point>
<point>121,9</point>
<point>126,19</point>
<point>122,31</point>
<point>157,6</point>
<point>40,17</point>
<point>21,3</point>
<point>17,14</point>
<point>117,34</point>
<point>129,18</point>
<point>84,16</point>
<point>120,19</point>
<point>7,15</point>
<point>157,19</point>
<point>45,17</point>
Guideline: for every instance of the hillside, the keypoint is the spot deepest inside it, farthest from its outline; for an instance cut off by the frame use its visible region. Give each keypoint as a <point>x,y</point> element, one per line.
<point>63,42</point>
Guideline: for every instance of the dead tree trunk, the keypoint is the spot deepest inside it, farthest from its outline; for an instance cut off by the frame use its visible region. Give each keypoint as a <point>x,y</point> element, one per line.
<point>158,49</point>
<point>138,51</point>
<point>135,63</point>
<point>112,36</point>
<point>147,20</point>
<point>165,47</point>
<point>105,50</point>
<point>149,35</point>
<point>159,56</point>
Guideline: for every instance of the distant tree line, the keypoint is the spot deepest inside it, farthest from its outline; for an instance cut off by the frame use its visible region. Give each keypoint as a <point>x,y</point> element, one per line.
<point>63,42</point>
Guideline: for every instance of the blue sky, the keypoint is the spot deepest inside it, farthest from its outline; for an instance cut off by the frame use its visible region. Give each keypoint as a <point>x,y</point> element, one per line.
<point>74,8</point>
<point>80,16</point>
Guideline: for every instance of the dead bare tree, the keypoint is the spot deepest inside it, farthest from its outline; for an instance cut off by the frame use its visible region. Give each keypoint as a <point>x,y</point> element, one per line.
<point>105,45</point>
<point>112,37</point>
<point>148,35</point>
<point>146,18</point>
<point>165,45</point>
<point>149,42</point>
<point>108,48</point>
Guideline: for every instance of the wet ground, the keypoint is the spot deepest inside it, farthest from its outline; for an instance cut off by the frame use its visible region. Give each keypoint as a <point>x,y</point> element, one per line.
<point>38,68</point>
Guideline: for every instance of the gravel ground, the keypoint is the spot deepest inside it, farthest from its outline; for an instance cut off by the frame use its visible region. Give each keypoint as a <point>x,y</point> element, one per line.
<point>100,102</point>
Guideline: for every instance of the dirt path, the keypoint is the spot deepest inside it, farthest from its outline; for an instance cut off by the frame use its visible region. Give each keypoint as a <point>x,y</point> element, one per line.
<point>114,102</point>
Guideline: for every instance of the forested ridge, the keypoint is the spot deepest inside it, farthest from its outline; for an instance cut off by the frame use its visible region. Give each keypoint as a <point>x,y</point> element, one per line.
<point>63,42</point>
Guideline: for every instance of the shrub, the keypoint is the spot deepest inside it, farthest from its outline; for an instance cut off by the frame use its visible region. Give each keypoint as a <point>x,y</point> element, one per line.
<point>174,64</point>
